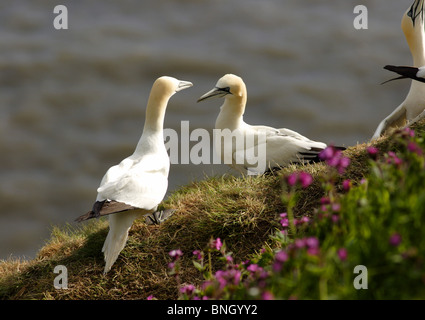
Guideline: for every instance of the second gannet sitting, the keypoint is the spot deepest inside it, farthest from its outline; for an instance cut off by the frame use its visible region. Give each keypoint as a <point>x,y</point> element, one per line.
<point>412,24</point>
<point>138,184</point>
<point>283,146</point>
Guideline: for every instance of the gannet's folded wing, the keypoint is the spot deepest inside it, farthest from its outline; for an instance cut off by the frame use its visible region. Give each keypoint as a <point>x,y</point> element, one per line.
<point>143,190</point>
<point>103,208</point>
<point>284,149</point>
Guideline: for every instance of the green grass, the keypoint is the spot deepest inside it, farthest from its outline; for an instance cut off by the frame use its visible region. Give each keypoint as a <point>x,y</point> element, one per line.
<point>244,212</point>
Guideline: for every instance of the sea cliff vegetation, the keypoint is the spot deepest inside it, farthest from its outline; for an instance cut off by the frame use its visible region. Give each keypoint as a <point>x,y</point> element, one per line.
<point>350,227</point>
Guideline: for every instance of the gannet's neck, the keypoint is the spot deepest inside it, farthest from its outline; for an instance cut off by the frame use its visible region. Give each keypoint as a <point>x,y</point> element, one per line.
<point>415,37</point>
<point>417,48</point>
<point>155,113</point>
<point>231,112</point>
<point>153,135</point>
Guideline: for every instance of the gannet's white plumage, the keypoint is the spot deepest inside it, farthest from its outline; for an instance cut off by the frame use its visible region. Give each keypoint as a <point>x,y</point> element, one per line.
<point>138,184</point>
<point>412,24</point>
<point>283,146</point>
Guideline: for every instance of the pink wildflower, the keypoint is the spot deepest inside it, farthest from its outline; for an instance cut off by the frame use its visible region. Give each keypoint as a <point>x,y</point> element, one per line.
<point>216,244</point>
<point>373,152</point>
<point>413,147</point>
<point>267,295</point>
<point>346,184</point>
<point>334,158</point>
<point>395,239</point>
<point>306,179</point>
<point>188,289</point>
<point>175,254</point>
<point>292,179</point>
<point>342,254</point>
<point>199,254</point>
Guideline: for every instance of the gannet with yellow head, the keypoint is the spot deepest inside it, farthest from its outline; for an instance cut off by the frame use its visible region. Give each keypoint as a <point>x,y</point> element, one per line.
<point>412,24</point>
<point>138,184</point>
<point>283,146</point>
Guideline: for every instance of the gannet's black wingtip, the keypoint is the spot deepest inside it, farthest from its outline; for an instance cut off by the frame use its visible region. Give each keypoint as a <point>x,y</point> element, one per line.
<point>389,67</point>
<point>340,148</point>
<point>93,213</point>
<point>404,72</point>
<point>397,78</point>
<point>104,208</point>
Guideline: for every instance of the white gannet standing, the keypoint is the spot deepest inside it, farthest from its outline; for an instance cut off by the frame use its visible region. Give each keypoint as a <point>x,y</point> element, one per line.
<point>412,25</point>
<point>283,146</point>
<point>138,183</point>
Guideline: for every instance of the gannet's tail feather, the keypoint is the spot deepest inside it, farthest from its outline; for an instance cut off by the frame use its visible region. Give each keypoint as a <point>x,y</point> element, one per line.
<point>119,225</point>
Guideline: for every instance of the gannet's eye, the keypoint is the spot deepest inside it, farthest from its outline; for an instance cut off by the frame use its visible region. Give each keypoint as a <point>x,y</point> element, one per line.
<point>226,89</point>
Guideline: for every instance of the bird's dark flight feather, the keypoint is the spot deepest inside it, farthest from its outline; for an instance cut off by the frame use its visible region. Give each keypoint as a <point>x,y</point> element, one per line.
<point>404,72</point>
<point>103,208</point>
<point>306,157</point>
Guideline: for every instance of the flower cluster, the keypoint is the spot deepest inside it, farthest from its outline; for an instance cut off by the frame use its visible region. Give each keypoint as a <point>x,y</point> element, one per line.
<point>279,259</point>
<point>199,254</point>
<point>188,290</point>
<point>395,239</point>
<point>297,258</point>
<point>303,178</point>
<point>228,277</point>
<point>311,244</point>
<point>342,254</point>
<point>329,209</point>
<point>334,158</point>
<point>414,147</point>
<point>216,244</point>
<point>391,158</point>
<point>285,221</point>
<point>373,152</point>
<point>175,254</point>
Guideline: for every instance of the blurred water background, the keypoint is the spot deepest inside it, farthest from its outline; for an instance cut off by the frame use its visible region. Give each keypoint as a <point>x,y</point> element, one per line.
<point>72,102</point>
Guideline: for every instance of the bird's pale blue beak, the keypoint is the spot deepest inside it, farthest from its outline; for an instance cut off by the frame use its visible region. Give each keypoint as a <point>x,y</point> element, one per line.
<point>215,93</point>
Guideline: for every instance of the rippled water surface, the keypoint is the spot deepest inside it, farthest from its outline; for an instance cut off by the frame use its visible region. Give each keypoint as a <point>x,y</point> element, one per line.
<point>72,102</point>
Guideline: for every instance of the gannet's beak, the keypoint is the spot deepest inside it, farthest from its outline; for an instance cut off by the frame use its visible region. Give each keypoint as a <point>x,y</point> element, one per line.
<point>183,85</point>
<point>215,93</point>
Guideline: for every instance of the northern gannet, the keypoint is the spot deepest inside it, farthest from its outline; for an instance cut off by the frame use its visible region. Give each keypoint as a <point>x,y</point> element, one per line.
<point>412,24</point>
<point>282,146</point>
<point>138,183</point>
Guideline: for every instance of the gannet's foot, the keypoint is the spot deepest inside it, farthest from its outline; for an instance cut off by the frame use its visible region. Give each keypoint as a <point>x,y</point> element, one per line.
<point>159,217</point>
<point>418,118</point>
